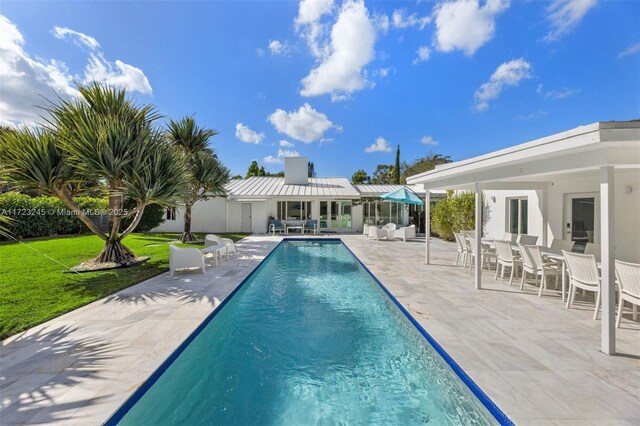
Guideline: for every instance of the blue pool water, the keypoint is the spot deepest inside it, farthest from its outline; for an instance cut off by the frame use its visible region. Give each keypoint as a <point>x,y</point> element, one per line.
<point>310,338</point>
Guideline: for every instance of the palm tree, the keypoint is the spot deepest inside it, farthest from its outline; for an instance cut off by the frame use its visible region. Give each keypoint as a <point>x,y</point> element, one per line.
<point>206,176</point>
<point>101,135</point>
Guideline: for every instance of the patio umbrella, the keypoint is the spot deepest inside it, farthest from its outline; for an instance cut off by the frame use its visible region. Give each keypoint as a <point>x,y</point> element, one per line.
<point>403,195</point>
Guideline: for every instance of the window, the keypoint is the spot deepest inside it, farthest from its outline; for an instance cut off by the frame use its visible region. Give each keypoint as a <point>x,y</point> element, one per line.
<point>171,213</point>
<point>518,215</point>
<point>294,210</point>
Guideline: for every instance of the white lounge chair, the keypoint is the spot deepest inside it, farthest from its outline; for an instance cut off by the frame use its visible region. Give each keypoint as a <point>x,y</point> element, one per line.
<point>376,233</point>
<point>533,263</point>
<point>506,259</point>
<point>185,258</point>
<point>628,276</point>
<point>462,248</point>
<point>583,273</point>
<point>405,233</point>
<point>211,239</point>
<point>593,249</point>
<point>527,240</point>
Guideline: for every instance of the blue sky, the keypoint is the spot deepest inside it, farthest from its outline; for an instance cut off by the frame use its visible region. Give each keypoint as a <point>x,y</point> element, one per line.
<point>339,82</point>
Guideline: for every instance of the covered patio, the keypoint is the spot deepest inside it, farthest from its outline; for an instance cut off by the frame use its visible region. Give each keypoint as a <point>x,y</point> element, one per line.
<point>600,158</point>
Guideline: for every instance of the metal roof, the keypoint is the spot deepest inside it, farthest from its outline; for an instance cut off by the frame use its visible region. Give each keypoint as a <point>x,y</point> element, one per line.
<point>275,187</point>
<point>375,190</point>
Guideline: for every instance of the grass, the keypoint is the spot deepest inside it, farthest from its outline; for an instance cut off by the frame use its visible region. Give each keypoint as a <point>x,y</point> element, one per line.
<point>35,288</point>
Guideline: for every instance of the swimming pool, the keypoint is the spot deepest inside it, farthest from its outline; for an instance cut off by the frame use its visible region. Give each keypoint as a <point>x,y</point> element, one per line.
<point>310,337</point>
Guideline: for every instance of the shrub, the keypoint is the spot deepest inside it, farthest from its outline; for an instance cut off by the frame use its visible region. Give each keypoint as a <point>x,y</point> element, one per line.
<point>453,214</point>
<point>152,217</point>
<point>43,216</point>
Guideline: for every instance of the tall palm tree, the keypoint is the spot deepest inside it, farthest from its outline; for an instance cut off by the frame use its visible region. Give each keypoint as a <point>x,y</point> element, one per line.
<point>206,176</point>
<point>101,135</point>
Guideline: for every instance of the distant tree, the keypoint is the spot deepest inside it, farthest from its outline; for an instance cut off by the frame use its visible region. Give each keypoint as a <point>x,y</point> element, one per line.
<point>422,164</point>
<point>236,177</point>
<point>360,177</point>
<point>396,167</point>
<point>312,169</point>
<point>382,175</point>
<point>262,171</point>
<point>254,169</point>
<point>206,176</point>
<point>278,174</point>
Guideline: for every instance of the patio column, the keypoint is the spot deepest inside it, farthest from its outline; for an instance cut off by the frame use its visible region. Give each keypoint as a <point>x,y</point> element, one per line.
<point>607,240</point>
<point>427,226</point>
<point>478,247</point>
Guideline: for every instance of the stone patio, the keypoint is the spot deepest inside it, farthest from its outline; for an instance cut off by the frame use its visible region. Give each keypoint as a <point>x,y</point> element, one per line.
<point>539,362</point>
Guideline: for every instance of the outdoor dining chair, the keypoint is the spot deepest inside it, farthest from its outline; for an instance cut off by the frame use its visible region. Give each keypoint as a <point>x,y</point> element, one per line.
<point>485,255</point>
<point>628,277</point>
<point>533,263</point>
<point>505,259</point>
<point>593,249</point>
<point>527,240</point>
<point>462,251</point>
<point>558,244</point>
<point>583,274</point>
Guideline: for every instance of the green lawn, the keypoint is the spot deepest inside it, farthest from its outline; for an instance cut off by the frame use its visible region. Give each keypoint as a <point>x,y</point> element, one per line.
<point>34,288</point>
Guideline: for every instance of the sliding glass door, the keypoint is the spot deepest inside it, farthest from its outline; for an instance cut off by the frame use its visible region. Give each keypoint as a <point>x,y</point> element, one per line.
<point>335,214</point>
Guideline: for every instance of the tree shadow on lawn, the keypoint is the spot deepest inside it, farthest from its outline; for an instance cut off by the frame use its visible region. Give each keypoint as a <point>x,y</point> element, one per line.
<point>38,368</point>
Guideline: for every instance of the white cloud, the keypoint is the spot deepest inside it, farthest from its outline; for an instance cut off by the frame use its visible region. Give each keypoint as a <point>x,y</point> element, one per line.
<point>79,38</point>
<point>422,54</point>
<point>278,48</point>
<point>286,144</point>
<point>341,71</point>
<point>561,93</point>
<point>26,79</point>
<point>260,51</point>
<point>534,115</point>
<point>428,140</point>
<point>245,134</point>
<point>306,124</point>
<point>401,20</point>
<point>507,74</point>
<point>380,145</point>
<point>634,48</point>
<point>279,157</point>
<point>465,25</point>
<point>308,23</point>
<point>381,22</point>
<point>565,15</point>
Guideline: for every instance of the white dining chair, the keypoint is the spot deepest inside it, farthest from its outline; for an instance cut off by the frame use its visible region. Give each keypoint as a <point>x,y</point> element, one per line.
<point>533,263</point>
<point>583,274</point>
<point>527,240</point>
<point>565,245</point>
<point>593,249</point>
<point>486,254</point>
<point>462,251</point>
<point>505,259</point>
<point>628,278</point>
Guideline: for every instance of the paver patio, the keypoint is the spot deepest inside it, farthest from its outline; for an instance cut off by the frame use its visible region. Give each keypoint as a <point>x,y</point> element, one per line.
<point>538,361</point>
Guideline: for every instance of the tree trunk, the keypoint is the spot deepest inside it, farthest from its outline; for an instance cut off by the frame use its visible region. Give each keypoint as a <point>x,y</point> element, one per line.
<point>115,251</point>
<point>187,236</point>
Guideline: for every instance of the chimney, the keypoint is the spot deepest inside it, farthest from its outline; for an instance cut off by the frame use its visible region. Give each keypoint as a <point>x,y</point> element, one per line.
<point>296,171</point>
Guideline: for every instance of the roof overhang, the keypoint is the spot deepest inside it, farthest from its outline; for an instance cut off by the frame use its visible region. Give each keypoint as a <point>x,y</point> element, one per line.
<point>529,165</point>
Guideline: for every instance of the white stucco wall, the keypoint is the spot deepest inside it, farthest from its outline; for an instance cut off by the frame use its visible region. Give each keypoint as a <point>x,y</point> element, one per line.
<point>206,216</point>
<point>551,202</point>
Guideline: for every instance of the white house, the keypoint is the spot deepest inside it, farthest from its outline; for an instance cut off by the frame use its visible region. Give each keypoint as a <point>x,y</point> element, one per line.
<point>581,185</point>
<point>338,205</point>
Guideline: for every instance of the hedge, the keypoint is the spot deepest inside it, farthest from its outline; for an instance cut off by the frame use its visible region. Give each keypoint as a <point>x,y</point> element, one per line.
<point>43,216</point>
<point>453,214</point>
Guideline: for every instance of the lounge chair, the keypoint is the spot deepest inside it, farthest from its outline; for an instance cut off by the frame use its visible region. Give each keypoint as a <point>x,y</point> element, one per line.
<point>276,226</point>
<point>310,225</point>
<point>405,233</point>
<point>211,239</point>
<point>533,263</point>
<point>628,276</point>
<point>583,273</point>
<point>376,233</point>
<point>506,260</point>
<point>185,258</point>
